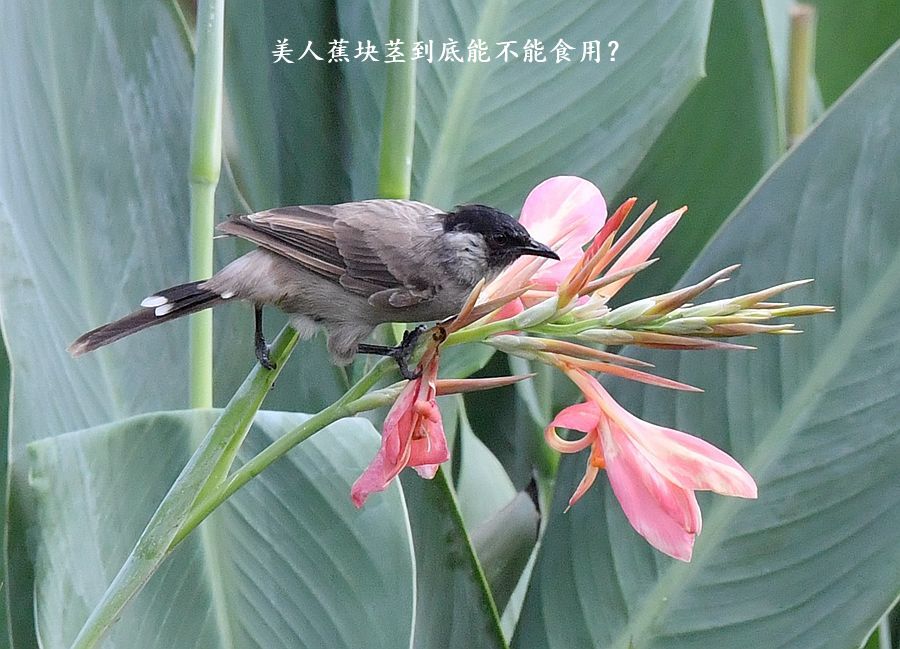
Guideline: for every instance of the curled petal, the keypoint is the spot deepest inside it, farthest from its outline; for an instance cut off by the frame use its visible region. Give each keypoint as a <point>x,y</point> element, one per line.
<point>581,417</point>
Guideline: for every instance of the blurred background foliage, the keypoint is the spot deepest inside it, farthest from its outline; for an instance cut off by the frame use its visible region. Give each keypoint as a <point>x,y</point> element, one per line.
<point>94,125</point>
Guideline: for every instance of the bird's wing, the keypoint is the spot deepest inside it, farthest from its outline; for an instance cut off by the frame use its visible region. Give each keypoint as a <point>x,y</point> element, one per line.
<point>364,246</point>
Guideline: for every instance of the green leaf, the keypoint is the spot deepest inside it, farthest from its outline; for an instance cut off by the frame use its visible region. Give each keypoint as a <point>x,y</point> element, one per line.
<point>282,139</point>
<point>719,143</point>
<point>287,562</point>
<point>491,131</point>
<point>94,216</point>
<point>814,418</point>
<point>851,35</point>
<point>504,543</point>
<point>454,606</point>
<point>482,486</point>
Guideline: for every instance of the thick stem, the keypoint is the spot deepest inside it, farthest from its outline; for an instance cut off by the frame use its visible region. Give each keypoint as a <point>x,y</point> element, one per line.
<point>206,163</point>
<point>802,50</point>
<point>399,121</point>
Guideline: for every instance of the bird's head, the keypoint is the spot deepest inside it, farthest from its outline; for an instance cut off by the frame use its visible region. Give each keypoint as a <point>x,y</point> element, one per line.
<point>501,238</point>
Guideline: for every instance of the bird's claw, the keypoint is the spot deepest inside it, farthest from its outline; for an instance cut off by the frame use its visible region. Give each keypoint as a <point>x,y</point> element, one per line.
<point>402,352</point>
<point>262,355</point>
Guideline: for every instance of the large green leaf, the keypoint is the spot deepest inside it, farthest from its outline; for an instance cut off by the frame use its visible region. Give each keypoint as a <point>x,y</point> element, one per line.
<point>491,131</point>
<point>284,142</point>
<point>94,206</point>
<point>94,127</point>
<point>287,562</point>
<point>454,606</point>
<point>816,560</point>
<point>93,200</point>
<point>851,34</point>
<point>721,141</point>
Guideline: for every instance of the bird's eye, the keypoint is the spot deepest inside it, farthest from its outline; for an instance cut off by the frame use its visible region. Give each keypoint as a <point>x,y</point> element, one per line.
<point>499,238</point>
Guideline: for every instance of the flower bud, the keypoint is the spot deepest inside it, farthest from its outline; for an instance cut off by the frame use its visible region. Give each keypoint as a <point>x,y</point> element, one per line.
<point>685,326</point>
<point>628,312</point>
<point>538,314</point>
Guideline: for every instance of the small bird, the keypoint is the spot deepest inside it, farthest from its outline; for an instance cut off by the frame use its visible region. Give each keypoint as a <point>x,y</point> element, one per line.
<point>346,269</point>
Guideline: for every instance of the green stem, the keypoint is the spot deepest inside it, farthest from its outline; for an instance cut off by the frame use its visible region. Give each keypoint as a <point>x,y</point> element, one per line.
<point>206,163</point>
<point>478,334</point>
<point>800,67</point>
<point>348,405</point>
<point>399,121</point>
<point>398,124</point>
<point>279,352</point>
<point>153,545</point>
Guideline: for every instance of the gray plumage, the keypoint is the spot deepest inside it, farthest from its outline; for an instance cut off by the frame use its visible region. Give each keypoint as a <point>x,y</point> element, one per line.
<point>346,268</point>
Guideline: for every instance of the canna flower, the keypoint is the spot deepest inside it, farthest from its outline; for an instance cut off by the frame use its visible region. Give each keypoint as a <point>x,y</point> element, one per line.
<point>413,435</point>
<point>654,471</point>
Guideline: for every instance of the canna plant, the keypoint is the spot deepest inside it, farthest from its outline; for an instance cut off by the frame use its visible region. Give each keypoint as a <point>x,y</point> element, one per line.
<point>654,471</point>
<point>309,547</point>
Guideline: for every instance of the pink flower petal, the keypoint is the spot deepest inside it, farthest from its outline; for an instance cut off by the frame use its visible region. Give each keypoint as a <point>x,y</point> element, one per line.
<point>688,461</point>
<point>679,503</point>
<point>430,449</point>
<point>561,204</point>
<point>640,251</point>
<point>590,474</point>
<point>641,507</point>
<point>582,417</point>
<point>377,476</point>
<point>694,463</point>
<point>565,212</point>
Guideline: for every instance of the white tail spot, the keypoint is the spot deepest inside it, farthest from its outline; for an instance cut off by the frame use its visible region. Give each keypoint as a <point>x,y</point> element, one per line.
<point>227,295</point>
<point>164,309</point>
<point>153,301</point>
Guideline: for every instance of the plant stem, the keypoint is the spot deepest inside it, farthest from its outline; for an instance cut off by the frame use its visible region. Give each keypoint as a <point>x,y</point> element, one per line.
<point>800,68</point>
<point>154,544</point>
<point>348,405</point>
<point>399,120</point>
<point>478,334</point>
<point>206,163</point>
<point>398,123</point>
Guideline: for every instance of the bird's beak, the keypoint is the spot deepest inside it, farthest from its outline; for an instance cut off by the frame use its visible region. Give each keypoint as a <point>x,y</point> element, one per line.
<point>538,249</point>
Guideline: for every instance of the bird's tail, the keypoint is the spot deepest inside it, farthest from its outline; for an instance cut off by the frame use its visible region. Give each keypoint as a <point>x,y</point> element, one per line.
<point>161,307</point>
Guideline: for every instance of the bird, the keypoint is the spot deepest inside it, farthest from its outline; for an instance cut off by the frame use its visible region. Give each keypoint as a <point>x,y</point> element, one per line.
<point>345,268</point>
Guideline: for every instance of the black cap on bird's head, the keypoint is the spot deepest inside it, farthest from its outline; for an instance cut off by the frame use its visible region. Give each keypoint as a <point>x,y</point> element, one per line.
<point>505,238</point>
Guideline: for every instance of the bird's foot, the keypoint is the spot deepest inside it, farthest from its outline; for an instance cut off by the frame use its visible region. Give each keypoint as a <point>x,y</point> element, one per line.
<point>400,353</point>
<point>262,349</point>
<point>262,355</point>
<point>403,352</point>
